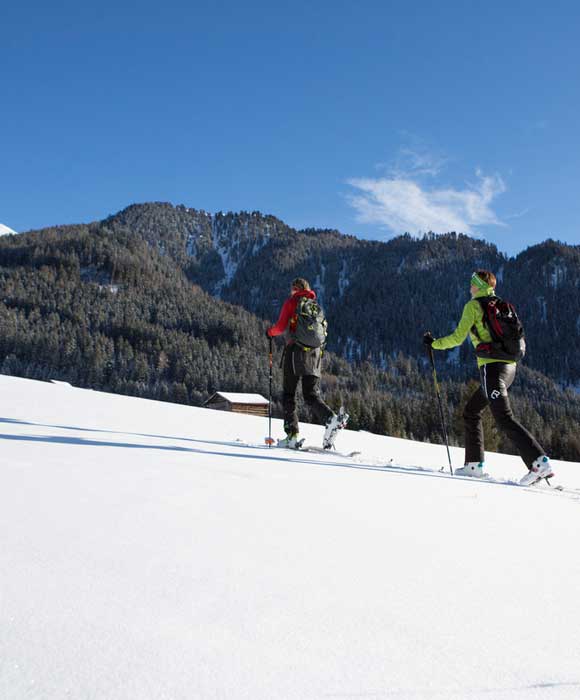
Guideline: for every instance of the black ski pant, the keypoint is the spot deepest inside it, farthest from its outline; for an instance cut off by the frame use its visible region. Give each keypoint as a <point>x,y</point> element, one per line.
<point>310,391</point>
<point>496,379</point>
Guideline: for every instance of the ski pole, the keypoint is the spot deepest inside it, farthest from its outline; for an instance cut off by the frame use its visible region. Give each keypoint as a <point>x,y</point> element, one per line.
<point>269,440</point>
<point>436,383</point>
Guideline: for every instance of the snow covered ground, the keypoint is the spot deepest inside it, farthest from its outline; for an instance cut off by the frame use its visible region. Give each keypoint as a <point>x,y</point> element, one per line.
<point>145,554</point>
<point>5,230</point>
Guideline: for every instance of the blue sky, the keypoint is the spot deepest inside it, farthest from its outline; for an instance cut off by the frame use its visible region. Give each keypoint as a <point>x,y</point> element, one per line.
<point>369,117</point>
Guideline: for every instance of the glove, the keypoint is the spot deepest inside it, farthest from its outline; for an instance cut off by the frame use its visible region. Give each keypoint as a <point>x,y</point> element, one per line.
<point>428,338</point>
<point>268,334</point>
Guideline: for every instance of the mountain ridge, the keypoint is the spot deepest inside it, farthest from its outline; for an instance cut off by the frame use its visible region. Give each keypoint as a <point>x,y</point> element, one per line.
<point>406,284</point>
<point>104,305</point>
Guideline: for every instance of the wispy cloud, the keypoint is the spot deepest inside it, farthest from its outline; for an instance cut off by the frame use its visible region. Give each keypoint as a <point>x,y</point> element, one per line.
<point>403,203</point>
<point>518,214</point>
<point>417,161</point>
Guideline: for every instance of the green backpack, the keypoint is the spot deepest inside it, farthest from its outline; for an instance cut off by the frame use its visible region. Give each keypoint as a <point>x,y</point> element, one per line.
<point>311,326</point>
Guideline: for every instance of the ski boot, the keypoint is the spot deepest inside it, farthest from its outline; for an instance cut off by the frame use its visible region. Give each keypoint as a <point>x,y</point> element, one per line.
<point>473,469</point>
<point>334,424</point>
<point>291,442</point>
<point>540,469</point>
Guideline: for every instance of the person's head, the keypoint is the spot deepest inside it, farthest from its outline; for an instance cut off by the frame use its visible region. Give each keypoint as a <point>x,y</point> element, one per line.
<point>299,284</point>
<point>482,279</point>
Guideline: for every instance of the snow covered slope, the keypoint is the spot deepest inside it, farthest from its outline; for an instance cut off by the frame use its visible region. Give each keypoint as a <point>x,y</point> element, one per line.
<point>4,230</point>
<point>146,554</point>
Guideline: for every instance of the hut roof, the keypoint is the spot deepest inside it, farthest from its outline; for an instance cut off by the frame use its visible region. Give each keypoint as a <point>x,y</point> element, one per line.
<point>232,397</point>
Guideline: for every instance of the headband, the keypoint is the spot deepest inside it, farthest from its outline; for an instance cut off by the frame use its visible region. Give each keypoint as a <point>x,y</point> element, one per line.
<point>478,282</point>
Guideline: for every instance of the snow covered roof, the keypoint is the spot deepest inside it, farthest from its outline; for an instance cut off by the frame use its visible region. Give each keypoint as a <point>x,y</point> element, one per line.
<point>4,230</point>
<point>240,398</point>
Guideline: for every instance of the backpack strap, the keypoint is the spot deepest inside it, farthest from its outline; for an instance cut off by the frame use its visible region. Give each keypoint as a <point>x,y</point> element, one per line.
<point>483,302</point>
<point>294,318</point>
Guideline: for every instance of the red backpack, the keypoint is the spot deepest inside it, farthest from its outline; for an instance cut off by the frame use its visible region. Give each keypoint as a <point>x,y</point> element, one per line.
<point>506,329</point>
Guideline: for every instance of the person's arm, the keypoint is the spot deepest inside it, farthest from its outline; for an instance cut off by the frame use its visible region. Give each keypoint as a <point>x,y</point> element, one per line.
<point>286,313</point>
<point>468,318</point>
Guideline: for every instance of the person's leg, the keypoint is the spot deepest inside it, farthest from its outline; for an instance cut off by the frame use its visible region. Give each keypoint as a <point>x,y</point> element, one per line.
<point>311,393</point>
<point>290,383</point>
<point>474,445</point>
<point>497,379</point>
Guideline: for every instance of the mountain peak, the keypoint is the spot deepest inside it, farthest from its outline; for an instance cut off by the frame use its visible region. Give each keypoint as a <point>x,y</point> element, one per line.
<point>6,231</point>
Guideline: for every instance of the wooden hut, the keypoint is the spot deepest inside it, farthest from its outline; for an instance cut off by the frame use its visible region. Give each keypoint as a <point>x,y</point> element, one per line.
<point>254,404</point>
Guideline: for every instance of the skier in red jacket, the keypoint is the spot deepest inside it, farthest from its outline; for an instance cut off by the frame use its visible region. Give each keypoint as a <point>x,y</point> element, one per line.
<point>302,361</point>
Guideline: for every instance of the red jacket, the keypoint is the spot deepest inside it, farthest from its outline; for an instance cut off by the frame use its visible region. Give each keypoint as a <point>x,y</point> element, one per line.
<point>288,313</point>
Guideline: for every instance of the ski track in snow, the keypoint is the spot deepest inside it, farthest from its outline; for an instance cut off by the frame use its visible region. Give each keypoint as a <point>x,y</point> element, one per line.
<point>156,551</point>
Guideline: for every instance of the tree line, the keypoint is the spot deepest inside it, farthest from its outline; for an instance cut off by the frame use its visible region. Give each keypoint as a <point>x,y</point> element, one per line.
<point>100,307</point>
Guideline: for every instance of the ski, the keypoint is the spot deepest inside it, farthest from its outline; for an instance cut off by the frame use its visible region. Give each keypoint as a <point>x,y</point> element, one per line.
<point>329,451</point>
<point>301,447</point>
<point>545,482</point>
<point>319,450</point>
<point>540,484</point>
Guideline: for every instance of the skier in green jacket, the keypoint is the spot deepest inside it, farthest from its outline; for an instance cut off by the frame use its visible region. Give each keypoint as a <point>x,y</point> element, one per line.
<point>496,376</point>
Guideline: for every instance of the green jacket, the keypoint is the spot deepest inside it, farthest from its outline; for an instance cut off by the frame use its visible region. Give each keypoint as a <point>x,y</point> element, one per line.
<point>472,316</point>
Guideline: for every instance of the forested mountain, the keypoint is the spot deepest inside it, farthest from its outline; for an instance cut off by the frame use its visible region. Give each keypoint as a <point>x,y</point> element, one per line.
<point>143,303</point>
<point>379,296</point>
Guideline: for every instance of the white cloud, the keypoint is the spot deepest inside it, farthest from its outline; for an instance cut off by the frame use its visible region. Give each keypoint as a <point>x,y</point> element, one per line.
<point>401,204</point>
<point>518,214</point>
<point>417,161</point>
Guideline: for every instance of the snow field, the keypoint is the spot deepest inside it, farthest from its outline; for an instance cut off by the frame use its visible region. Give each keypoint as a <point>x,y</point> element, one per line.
<point>147,554</point>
